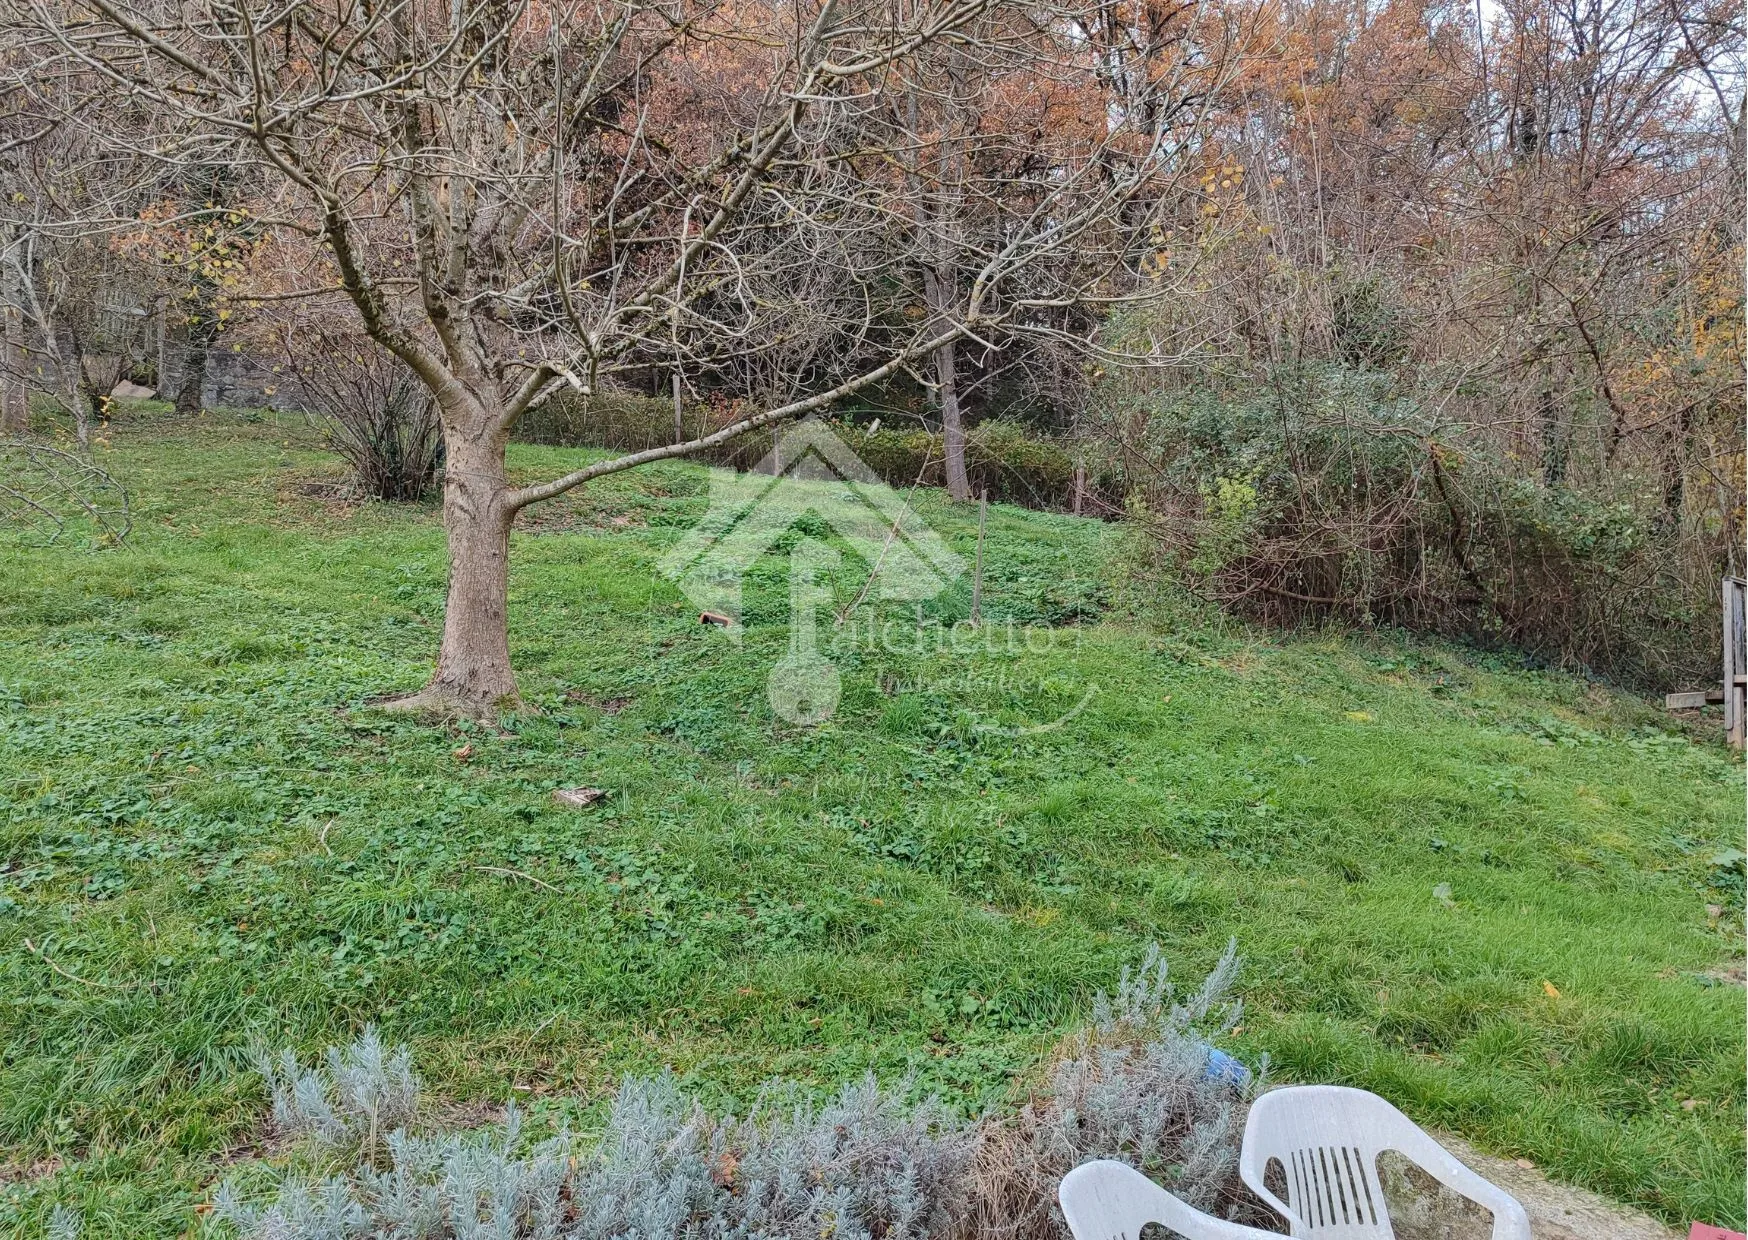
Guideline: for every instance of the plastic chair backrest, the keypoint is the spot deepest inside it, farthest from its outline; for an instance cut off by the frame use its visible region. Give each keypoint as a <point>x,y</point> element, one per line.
<point>1327,1139</point>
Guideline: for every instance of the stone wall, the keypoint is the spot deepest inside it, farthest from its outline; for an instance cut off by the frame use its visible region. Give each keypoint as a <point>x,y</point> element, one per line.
<point>238,380</point>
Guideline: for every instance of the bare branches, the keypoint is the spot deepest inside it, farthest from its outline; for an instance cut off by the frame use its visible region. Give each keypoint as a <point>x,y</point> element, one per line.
<point>532,172</point>
<point>518,196</point>
<point>42,489</point>
<point>798,408</point>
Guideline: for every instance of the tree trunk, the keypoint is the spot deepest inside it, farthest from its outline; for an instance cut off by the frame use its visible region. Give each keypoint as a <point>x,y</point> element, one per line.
<point>15,397</point>
<point>78,402</point>
<point>192,389</point>
<point>938,296</point>
<point>952,427</point>
<point>161,379</point>
<point>1555,445</point>
<point>1675,475</point>
<point>473,675</point>
<point>75,392</point>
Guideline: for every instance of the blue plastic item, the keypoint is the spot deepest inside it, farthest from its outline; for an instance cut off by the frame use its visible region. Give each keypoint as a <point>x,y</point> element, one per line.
<point>1223,1067</point>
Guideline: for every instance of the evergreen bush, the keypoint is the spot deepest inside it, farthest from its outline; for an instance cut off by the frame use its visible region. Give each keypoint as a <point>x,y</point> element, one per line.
<point>1014,465</point>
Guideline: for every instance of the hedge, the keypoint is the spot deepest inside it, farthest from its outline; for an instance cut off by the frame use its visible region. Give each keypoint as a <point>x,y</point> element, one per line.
<point>1015,466</point>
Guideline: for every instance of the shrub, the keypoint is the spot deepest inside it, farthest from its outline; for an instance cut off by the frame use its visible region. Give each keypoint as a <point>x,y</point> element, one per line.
<point>352,1101</point>
<point>618,421</point>
<point>376,413</point>
<point>1140,1085</point>
<point>1000,457</point>
<point>1336,492</point>
<point>864,1165</point>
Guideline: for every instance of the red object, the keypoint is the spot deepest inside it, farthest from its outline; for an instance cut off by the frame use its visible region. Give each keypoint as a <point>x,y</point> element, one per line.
<point>1705,1231</point>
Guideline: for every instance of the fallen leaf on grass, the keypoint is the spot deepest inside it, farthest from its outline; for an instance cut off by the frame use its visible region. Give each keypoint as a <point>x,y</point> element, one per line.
<point>464,753</point>
<point>1551,990</point>
<point>577,798</point>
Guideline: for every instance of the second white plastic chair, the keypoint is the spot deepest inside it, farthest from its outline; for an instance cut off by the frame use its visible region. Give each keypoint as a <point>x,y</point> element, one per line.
<point>1108,1200</point>
<point>1327,1140</point>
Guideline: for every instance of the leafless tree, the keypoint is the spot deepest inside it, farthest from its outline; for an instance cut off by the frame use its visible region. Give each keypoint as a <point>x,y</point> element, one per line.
<point>75,306</point>
<point>518,196</point>
<point>74,337</point>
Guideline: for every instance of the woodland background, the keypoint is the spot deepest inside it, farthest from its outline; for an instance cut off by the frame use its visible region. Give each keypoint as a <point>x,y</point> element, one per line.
<point>1432,317</point>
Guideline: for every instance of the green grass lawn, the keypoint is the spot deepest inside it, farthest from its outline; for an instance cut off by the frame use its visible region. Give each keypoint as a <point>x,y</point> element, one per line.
<point>1480,891</point>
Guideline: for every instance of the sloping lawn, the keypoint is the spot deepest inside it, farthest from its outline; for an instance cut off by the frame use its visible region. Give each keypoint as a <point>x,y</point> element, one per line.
<point>1504,899</point>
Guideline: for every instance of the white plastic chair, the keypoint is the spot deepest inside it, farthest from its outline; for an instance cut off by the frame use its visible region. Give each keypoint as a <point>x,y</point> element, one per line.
<point>1112,1201</point>
<point>1327,1140</point>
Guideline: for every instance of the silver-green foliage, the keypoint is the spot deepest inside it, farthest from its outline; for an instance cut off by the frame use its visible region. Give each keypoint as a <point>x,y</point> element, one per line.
<point>864,1165</point>
<point>1138,1086</point>
<point>353,1100</point>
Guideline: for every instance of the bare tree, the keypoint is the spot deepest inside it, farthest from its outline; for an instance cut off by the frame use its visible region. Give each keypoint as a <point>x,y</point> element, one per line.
<point>75,304</point>
<point>72,338</point>
<point>515,197</point>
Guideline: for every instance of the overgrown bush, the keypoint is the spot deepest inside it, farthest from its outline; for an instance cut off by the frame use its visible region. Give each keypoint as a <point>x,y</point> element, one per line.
<point>375,412</point>
<point>866,1164</point>
<point>1331,491</point>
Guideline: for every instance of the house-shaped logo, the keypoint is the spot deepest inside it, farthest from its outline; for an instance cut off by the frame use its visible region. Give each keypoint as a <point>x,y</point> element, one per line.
<point>809,472</point>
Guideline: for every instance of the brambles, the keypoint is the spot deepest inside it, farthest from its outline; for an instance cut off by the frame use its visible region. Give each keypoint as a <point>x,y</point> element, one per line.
<point>1322,490</point>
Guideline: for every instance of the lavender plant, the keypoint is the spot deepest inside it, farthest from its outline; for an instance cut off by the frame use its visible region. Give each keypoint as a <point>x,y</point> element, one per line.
<point>1137,1085</point>
<point>863,1165</point>
<point>350,1101</point>
<point>1141,1085</point>
<point>64,1224</point>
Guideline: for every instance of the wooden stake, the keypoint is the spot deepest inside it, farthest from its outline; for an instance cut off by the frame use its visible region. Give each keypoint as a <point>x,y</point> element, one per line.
<point>977,578</point>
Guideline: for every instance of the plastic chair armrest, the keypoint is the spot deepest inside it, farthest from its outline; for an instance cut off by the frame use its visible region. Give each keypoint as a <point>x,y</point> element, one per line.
<point>1509,1220</point>
<point>1109,1200</point>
